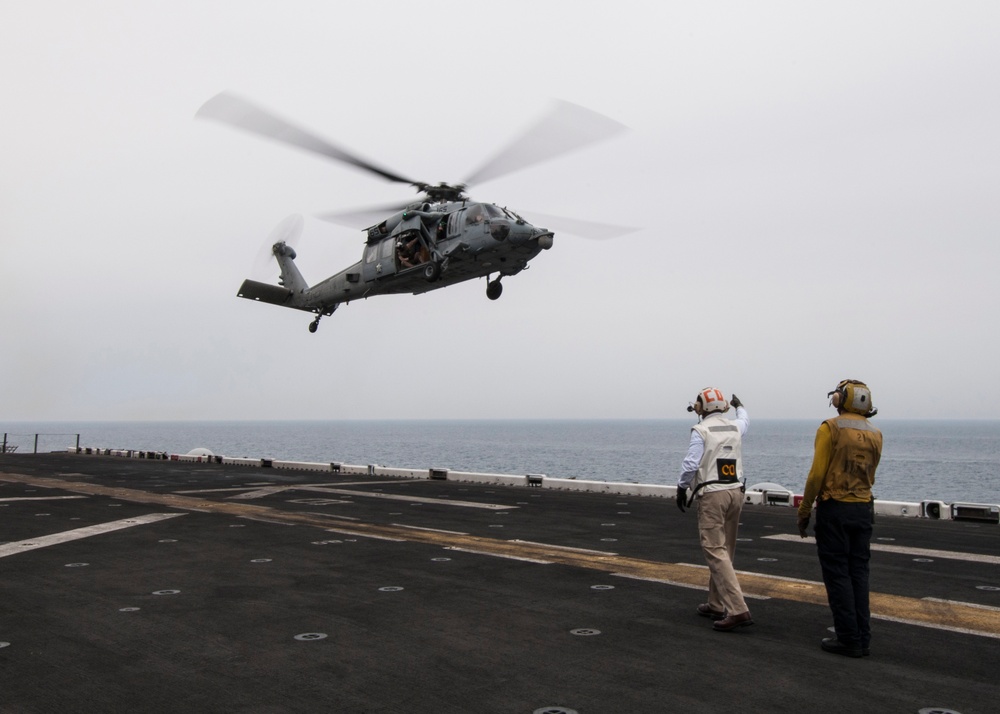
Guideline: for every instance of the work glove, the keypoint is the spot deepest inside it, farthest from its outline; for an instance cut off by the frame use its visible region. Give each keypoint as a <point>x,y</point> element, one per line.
<point>803,525</point>
<point>735,401</point>
<point>682,498</point>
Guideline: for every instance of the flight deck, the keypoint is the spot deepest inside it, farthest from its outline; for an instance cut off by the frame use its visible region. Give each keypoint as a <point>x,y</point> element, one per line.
<point>159,585</point>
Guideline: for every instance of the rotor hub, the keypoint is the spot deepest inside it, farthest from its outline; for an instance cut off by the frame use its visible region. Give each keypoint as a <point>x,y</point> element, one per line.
<point>443,192</point>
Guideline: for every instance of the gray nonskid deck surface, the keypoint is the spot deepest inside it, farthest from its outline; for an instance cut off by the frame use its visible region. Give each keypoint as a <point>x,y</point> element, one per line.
<point>268,591</point>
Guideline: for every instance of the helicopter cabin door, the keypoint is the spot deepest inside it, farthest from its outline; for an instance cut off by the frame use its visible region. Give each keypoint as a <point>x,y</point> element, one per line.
<point>380,260</point>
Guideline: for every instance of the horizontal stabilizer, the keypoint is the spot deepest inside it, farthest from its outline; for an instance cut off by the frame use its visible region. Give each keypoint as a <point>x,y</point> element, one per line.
<point>262,292</point>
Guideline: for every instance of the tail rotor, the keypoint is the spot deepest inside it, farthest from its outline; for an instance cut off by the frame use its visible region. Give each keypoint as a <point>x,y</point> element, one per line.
<point>283,239</point>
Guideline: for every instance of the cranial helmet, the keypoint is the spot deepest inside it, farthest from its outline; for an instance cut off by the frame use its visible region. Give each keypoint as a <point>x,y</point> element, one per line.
<point>711,400</point>
<point>853,396</point>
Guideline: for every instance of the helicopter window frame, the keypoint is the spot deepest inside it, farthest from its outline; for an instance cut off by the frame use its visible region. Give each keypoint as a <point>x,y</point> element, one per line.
<point>371,254</point>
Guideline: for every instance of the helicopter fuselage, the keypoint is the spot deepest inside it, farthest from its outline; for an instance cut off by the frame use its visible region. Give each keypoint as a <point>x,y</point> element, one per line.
<point>424,247</point>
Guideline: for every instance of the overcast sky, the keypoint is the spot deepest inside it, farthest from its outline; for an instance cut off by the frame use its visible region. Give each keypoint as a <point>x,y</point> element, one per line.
<point>816,186</point>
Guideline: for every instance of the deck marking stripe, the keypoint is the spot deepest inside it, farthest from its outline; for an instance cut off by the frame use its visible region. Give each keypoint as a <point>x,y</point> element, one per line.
<point>903,550</point>
<point>365,534</point>
<point>432,530</point>
<point>220,490</point>
<point>411,499</point>
<point>255,493</point>
<point>334,516</point>
<point>260,493</point>
<point>757,575</point>
<point>963,604</point>
<point>692,586</point>
<point>663,581</point>
<point>506,556</point>
<point>935,626</point>
<point>78,533</point>
<point>564,547</point>
<point>910,610</point>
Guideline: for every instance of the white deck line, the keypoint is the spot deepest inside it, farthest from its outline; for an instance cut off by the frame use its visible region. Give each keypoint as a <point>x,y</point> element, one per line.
<point>78,533</point>
<point>903,550</point>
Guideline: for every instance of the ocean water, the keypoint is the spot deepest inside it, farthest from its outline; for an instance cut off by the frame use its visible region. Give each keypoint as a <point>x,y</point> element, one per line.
<point>922,460</point>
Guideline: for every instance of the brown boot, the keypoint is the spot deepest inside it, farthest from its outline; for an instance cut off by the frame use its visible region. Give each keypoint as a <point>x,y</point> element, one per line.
<point>731,622</point>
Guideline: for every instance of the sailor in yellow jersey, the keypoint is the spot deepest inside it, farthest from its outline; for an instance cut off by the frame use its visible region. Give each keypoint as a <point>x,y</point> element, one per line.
<point>847,452</point>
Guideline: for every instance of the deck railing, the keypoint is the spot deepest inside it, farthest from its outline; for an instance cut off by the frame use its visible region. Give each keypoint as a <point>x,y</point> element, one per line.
<point>9,447</point>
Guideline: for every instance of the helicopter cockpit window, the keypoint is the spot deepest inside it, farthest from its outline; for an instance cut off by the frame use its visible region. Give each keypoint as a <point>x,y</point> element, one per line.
<point>387,246</point>
<point>475,215</point>
<point>371,253</point>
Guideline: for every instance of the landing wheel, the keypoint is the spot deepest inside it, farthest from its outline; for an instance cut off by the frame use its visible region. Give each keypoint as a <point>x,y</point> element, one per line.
<point>494,289</point>
<point>432,271</point>
<point>314,325</point>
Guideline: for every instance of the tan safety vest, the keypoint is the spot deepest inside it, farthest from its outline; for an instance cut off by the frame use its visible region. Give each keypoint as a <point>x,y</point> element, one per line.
<point>721,466</point>
<point>856,451</point>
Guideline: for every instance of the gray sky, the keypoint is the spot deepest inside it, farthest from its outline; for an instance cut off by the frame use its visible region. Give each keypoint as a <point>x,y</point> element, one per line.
<point>816,185</point>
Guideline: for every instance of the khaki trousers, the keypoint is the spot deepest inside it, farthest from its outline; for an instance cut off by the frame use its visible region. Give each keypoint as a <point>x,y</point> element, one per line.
<point>718,523</point>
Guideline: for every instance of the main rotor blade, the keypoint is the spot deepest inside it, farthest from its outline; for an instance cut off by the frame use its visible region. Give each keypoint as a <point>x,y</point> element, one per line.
<point>565,128</point>
<point>574,226</point>
<point>362,217</point>
<point>235,111</point>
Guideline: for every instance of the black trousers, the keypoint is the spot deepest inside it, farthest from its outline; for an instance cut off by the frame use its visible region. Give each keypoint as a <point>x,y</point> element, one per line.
<point>843,541</point>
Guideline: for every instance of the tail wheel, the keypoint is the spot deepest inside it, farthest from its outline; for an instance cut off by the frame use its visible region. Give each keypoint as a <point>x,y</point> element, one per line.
<point>494,289</point>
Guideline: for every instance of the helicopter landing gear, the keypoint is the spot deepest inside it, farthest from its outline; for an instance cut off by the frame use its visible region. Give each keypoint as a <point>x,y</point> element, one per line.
<point>432,271</point>
<point>494,289</point>
<point>314,325</point>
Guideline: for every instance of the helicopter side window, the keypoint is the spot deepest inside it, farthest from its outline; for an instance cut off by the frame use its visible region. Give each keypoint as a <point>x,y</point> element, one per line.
<point>387,247</point>
<point>371,253</point>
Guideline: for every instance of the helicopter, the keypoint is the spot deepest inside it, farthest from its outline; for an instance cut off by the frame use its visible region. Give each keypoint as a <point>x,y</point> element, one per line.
<point>441,238</point>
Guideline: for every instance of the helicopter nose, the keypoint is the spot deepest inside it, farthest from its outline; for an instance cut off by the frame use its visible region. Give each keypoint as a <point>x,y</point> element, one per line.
<point>499,230</point>
<point>545,240</point>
